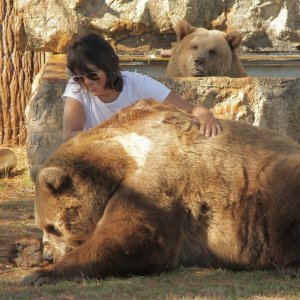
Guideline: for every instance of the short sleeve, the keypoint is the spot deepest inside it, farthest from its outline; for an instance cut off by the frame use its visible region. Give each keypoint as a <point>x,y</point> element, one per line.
<point>74,91</point>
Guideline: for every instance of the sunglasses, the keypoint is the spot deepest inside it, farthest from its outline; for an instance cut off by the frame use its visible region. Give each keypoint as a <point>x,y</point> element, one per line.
<point>94,76</point>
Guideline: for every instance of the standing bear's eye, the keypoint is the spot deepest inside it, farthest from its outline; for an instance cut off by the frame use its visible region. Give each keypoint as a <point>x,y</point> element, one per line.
<point>194,47</point>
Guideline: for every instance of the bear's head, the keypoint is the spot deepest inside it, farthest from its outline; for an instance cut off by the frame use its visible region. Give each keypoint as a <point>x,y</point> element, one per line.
<point>66,208</point>
<point>58,213</point>
<point>200,52</point>
<point>75,184</point>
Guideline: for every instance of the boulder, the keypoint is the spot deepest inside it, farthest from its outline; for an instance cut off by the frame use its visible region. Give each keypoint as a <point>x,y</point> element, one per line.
<point>267,24</point>
<point>148,24</point>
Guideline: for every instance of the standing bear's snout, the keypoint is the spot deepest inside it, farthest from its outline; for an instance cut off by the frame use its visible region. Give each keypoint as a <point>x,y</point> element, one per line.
<point>199,66</point>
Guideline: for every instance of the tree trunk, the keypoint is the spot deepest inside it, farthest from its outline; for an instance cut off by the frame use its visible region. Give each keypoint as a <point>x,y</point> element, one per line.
<point>17,68</point>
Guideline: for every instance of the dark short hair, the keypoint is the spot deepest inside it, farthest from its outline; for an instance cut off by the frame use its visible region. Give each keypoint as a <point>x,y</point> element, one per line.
<point>91,48</point>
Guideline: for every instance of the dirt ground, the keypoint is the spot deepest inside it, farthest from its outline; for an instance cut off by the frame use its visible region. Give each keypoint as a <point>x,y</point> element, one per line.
<point>16,213</point>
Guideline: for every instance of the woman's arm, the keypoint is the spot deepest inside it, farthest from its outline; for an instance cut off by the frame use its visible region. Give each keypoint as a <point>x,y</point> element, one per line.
<point>73,118</point>
<point>209,125</point>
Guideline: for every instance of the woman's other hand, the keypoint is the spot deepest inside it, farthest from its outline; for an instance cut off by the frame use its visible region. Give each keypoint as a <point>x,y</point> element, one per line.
<point>209,125</point>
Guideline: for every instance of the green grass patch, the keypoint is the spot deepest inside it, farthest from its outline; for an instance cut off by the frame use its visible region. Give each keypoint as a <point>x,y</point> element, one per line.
<point>3,186</point>
<point>192,283</point>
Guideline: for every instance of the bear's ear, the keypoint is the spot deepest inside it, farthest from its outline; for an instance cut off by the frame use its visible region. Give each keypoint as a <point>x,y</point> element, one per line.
<point>182,29</point>
<point>233,38</point>
<point>55,179</point>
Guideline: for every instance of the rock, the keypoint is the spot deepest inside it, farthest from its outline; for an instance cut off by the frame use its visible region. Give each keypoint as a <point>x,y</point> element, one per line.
<point>267,24</point>
<point>8,161</point>
<point>273,103</point>
<point>56,22</point>
<point>148,24</point>
<point>45,109</point>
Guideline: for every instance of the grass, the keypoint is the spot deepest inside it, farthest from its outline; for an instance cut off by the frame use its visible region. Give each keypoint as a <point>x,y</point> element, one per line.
<point>3,186</point>
<point>16,220</point>
<point>189,283</point>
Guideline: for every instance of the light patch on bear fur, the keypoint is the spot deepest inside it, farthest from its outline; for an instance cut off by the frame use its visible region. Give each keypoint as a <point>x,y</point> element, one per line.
<point>54,246</point>
<point>136,146</point>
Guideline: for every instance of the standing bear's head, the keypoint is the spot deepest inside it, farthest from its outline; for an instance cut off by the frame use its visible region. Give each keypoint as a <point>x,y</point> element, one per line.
<point>200,52</point>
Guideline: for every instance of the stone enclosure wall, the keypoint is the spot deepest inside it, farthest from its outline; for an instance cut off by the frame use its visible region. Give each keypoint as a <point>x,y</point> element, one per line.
<point>148,24</point>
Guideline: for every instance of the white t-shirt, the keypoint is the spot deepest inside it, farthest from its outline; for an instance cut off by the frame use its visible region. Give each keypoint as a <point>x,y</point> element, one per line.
<point>136,87</point>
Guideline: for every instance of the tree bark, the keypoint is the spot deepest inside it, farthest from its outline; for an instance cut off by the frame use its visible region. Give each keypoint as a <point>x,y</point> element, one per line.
<point>18,69</point>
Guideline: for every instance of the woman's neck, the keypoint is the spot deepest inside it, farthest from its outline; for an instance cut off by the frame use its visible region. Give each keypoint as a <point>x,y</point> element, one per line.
<point>110,96</point>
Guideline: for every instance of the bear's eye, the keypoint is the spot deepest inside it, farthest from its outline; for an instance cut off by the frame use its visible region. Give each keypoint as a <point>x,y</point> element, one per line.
<point>194,47</point>
<point>212,52</point>
<point>79,242</point>
<point>52,230</point>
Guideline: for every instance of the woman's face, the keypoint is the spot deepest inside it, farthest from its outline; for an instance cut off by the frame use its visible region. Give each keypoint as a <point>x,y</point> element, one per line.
<point>95,82</point>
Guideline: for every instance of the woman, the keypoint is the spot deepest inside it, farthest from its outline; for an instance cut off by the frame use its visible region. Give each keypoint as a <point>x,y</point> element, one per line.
<point>98,88</point>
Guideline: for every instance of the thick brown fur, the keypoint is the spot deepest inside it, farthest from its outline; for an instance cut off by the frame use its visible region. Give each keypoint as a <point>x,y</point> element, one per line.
<point>145,193</point>
<point>200,52</point>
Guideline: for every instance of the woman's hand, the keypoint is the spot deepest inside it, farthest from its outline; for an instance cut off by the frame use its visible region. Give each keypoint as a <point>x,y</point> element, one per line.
<point>209,125</point>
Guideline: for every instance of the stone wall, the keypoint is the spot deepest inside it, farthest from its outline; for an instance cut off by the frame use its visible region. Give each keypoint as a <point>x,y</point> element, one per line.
<point>44,119</point>
<point>145,25</point>
<point>272,103</point>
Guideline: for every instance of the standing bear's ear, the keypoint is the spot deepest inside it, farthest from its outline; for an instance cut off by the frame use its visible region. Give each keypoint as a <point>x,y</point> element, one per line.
<point>55,179</point>
<point>233,38</point>
<point>182,29</point>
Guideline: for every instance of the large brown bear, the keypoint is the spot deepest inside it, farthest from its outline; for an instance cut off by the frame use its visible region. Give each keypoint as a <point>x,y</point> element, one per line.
<point>144,192</point>
<point>200,52</point>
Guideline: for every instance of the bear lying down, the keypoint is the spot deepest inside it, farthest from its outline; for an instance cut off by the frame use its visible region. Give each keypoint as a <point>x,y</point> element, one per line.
<point>146,193</point>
